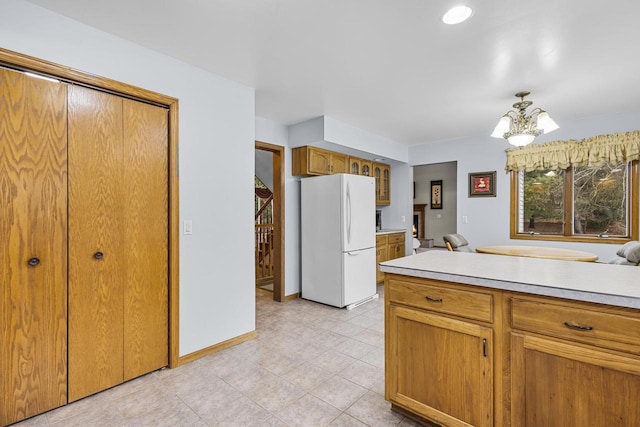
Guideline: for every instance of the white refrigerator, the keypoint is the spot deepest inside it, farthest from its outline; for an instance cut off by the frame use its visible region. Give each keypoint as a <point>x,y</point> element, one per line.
<point>338,239</point>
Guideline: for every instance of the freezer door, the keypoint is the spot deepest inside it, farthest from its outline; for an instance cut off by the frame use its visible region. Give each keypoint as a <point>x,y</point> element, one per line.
<point>359,275</point>
<point>358,213</point>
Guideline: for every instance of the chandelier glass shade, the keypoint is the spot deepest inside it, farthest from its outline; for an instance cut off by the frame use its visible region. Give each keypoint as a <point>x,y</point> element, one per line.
<point>520,128</point>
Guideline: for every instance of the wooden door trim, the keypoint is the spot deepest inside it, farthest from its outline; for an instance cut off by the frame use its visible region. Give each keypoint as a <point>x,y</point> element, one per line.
<point>18,61</point>
<point>278,218</point>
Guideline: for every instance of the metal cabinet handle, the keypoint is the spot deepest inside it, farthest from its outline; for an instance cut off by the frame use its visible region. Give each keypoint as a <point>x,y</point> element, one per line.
<point>578,327</point>
<point>33,261</point>
<point>433,299</point>
<point>98,255</point>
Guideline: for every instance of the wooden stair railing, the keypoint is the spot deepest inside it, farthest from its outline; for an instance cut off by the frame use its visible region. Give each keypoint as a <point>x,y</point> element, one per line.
<point>263,235</point>
<point>264,246</point>
<point>264,206</point>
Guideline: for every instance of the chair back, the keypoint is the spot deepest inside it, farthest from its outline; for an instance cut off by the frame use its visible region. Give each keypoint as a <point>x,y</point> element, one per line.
<point>456,242</point>
<point>628,254</point>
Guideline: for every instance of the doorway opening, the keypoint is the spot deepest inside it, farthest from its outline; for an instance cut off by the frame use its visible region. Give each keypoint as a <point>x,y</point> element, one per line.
<point>269,214</point>
<point>432,221</point>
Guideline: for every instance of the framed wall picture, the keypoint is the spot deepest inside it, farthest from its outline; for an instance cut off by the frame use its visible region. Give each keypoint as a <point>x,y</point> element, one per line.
<point>436,194</point>
<point>482,184</point>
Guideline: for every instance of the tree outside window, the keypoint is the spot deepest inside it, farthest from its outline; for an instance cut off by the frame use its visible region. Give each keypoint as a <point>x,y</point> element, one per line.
<point>600,200</point>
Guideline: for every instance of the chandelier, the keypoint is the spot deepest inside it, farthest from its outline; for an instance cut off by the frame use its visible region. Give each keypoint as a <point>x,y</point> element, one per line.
<point>521,129</point>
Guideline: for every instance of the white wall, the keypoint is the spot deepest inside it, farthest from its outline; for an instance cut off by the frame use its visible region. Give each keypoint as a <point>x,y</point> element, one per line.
<point>329,133</point>
<point>217,295</point>
<point>399,214</point>
<point>359,139</point>
<point>438,222</point>
<point>488,216</point>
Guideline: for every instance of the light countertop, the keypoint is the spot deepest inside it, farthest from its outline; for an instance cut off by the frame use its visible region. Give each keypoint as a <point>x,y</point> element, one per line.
<point>390,231</point>
<point>583,281</point>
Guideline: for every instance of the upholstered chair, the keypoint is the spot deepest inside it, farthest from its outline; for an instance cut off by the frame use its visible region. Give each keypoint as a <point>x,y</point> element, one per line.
<point>456,242</point>
<point>628,254</point>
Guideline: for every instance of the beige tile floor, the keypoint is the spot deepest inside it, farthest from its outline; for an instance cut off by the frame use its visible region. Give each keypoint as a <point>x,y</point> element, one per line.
<point>310,365</point>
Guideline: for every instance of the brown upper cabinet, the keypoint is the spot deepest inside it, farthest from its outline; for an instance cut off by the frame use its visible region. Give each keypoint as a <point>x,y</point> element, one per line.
<point>317,161</point>
<point>309,161</point>
<point>358,166</point>
<point>382,174</point>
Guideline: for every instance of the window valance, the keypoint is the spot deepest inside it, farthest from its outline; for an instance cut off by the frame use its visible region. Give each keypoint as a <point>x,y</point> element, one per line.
<point>612,148</point>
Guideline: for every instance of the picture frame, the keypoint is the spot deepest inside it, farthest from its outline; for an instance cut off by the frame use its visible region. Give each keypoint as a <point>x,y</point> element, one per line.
<point>482,184</point>
<point>436,194</point>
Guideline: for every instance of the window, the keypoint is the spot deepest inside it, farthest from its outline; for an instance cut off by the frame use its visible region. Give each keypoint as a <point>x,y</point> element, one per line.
<point>585,203</point>
<point>541,202</point>
<point>571,190</point>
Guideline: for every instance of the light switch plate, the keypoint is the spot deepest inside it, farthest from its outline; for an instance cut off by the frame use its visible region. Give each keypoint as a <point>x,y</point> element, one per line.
<point>188,227</point>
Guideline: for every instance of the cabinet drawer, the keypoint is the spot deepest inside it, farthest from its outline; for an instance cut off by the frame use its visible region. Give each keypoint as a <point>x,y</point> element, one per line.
<point>381,239</point>
<point>582,324</point>
<point>469,304</point>
<point>396,238</point>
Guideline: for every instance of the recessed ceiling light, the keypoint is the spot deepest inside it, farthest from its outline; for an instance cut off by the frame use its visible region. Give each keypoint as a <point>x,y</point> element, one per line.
<point>457,15</point>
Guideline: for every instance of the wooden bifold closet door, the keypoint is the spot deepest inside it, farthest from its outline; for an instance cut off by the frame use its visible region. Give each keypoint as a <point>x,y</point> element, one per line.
<point>33,246</point>
<point>118,240</point>
<point>83,242</point>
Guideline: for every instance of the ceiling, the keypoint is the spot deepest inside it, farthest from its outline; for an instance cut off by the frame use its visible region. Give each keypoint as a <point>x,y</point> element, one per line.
<point>392,67</point>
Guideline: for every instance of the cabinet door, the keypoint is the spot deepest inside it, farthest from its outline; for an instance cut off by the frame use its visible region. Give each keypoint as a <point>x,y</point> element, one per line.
<point>438,367</point>
<point>381,256</point>
<point>319,161</point>
<point>561,384</point>
<point>354,165</point>
<point>365,168</point>
<point>339,163</point>
<point>145,242</point>
<point>385,192</point>
<point>396,250</point>
<point>96,208</point>
<point>377,175</point>
<point>382,175</point>
<point>33,224</point>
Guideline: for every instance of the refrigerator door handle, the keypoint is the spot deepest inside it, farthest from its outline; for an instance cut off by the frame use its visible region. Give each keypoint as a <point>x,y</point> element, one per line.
<point>353,253</point>
<point>348,213</point>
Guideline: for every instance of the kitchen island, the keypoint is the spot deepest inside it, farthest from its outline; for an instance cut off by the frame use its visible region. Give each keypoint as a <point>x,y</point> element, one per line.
<point>488,340</point>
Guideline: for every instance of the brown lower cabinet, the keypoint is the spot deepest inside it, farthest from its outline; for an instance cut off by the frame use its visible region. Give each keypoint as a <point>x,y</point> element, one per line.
<point>84,248</point>
<point>388,246</point>
<point>460,355</point>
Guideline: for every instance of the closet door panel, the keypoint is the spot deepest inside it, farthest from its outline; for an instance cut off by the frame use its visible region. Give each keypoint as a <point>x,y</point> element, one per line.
<point>146,238</point>
<point>96,255</point>
<point>33,223</point>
